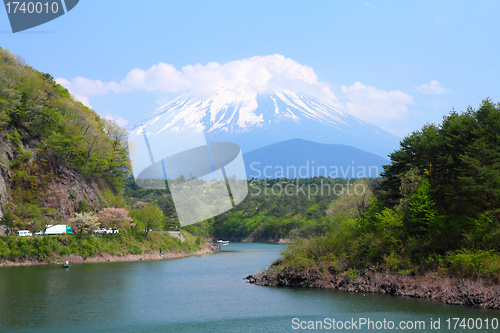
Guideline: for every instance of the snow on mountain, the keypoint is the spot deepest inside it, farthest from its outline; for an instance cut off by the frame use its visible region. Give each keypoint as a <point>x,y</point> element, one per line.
<point>255,120</point>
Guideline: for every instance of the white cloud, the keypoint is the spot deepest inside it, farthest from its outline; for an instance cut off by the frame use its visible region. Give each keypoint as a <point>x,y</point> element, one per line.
<point>375,105</point>
<point>243,79</point>
<point>77,95</point>
<point>246,77</point>
<point>432,88</point>
<point>117,119</point>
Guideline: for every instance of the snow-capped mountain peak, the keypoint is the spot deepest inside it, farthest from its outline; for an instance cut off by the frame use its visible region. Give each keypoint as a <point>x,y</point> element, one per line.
<point>253,120</point>
<point>232,112</point>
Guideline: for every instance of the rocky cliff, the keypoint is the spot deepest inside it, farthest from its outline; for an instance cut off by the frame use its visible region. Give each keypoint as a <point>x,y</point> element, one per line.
<point>60,190</point>
<point>57,156</point>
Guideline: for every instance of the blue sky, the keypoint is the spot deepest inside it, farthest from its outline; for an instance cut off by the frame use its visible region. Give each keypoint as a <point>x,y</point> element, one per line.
<point>398,64</point>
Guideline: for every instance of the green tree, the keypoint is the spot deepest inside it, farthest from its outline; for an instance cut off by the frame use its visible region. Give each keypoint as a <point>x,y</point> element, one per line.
<point>460,159</point>
<point>8,220</point>
<point>421,217</point>
<point>49,132</point>
<point>354,202</point>
<point>150,216</point>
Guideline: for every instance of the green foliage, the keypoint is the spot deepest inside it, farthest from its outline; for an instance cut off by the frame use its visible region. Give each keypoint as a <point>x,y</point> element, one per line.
<point>8,219</point>
<point>421,217</point>
<point>48,130</point>
<point>460,159</point>
<point>55,248</point>
<point>284,208</point>
<point>83,207</point>
<point>437,208</point>
<point>351,274</point>
<point>268,213</point>
<point>477,264</point>
<point>150,216</point>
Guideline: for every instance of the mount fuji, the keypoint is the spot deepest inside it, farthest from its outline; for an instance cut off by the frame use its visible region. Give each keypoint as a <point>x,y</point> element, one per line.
<point>256,120</point>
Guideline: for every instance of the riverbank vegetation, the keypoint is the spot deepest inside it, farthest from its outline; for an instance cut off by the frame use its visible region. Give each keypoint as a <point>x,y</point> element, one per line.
<point>52,249</point>
<point>274,210</point>
<point>62,163</point>
<point>436,210</point>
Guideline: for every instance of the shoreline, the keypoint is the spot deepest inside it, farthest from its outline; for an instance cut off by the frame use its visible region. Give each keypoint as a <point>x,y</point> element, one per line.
<point>448,290</point>
<point>107,258</point>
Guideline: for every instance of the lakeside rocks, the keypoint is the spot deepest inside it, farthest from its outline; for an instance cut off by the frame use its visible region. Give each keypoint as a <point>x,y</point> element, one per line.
<point>213,246</point>
<point>448,290</point>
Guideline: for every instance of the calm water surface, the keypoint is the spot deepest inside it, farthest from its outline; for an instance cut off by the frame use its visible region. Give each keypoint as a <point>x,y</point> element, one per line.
<point>196,294</point>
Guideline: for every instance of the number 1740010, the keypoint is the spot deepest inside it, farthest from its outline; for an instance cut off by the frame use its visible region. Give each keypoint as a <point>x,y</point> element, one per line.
<point>31,7</point>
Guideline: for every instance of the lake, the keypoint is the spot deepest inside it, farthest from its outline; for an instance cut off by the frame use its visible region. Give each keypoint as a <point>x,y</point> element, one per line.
<point>202,294</point>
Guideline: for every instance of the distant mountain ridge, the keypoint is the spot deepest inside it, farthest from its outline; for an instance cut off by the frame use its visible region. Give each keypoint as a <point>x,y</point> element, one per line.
<point>299,158</point>
<point>258,120</point>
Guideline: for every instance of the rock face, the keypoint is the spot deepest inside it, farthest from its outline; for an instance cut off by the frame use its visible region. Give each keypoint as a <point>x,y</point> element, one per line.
<point>63,189</point>
<point>6,156</point>
<point>67,190</point>
<point>447,290</point>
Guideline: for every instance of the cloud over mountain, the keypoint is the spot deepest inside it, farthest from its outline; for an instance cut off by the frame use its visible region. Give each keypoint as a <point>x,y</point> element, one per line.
<point>259,74</point>
<point>243,80</point>
<point>375,105</point>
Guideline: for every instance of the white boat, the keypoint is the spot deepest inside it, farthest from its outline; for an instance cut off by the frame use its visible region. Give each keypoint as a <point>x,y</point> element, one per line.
<point>223,242</point>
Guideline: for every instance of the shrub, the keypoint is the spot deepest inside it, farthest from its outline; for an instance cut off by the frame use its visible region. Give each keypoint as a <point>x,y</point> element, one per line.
<point>475,264</point>
<point>352,274</point>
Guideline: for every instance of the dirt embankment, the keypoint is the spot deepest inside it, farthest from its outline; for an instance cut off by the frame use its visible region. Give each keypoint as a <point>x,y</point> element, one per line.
<point>445,289</point>
<point>72,259</point>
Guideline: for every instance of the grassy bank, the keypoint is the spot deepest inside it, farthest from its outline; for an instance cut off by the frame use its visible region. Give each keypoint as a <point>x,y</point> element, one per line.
<point>51,249</point>
<point>430,228</point>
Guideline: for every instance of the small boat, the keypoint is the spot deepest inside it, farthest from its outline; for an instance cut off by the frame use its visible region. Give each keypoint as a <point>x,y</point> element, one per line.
<point>223,242</point>
<point>66,264</point>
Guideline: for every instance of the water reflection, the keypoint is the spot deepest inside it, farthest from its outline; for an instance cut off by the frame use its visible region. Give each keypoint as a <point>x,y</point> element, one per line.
<point>35,296</point>
<point>196,294</point>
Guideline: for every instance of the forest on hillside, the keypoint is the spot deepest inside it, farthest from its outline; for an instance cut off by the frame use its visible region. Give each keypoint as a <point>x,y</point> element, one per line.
<point>274,210</point>
<point>60,162</point>
<point>436,209</point>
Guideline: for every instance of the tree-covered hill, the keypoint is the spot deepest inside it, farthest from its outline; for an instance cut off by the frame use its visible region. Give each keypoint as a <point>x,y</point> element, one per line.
<point>274,210</point>
<point>437,209</point>
<point>57,156</point>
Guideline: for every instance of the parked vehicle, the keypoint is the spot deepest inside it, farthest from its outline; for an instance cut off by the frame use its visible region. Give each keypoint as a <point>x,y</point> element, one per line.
<point>38,233</point>
<point>24,233</point>
<point>106,231</point>
<point>58,229</point>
